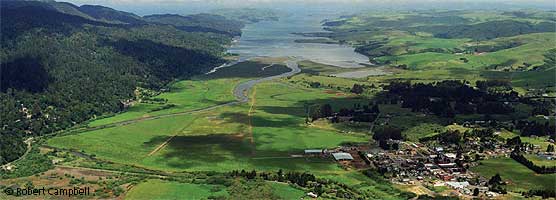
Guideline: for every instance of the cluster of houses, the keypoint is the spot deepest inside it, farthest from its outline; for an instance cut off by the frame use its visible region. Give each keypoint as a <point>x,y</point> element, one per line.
<point>412,164</point>
<point>430,164</point>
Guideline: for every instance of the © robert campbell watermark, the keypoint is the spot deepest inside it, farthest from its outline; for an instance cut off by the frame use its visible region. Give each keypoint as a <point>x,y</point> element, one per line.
<point>45,191</point>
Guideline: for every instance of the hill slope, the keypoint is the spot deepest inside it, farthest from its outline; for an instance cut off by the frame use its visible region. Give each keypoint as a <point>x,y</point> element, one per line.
<point>63,64</point>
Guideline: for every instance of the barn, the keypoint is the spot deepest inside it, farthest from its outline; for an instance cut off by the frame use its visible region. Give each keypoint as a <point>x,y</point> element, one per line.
<point>340,156</point>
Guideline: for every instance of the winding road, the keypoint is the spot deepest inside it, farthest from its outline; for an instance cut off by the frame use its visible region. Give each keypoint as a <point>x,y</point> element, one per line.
<point>241,91</point>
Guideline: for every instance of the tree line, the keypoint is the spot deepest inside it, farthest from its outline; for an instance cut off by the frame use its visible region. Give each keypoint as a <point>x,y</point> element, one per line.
<point>531,165</point>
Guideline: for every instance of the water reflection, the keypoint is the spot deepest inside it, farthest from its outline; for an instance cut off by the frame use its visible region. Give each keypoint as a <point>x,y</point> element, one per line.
<point>274,39</point>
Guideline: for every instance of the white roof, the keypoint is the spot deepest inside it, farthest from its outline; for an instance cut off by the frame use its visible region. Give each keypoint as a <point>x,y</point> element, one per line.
<point>313,151</point>
<point>450,155</point>
<point>458,184</point>
<point>342,156</point>
<point>447,164</point>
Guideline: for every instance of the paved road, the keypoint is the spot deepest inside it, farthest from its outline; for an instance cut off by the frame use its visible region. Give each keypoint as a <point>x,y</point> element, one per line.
<point>241,91</point>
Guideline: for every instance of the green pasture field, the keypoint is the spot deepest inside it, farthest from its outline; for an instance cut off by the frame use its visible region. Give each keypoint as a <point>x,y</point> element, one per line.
<point>313,68</point>
<point>158,189</point>
<point>519,177</point>
<point>285,191</point>
<point>530,52</point>
<point>200,92</point>
<point>437,62</point>
<point>185,95</point>
<point>423,130</point>
<point>220,139</point>
<point>540,161</point>
<point>541,141</point>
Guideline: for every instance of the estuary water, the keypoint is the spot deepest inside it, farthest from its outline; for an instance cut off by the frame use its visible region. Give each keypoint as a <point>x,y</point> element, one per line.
<point>274,39</point>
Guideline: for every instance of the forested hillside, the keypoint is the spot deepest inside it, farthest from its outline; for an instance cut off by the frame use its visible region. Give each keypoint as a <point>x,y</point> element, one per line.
<point>63,64</point>
<point>199,23</point>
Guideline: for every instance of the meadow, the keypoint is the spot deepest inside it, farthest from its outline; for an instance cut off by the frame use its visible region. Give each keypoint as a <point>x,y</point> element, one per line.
<point>260,135</point>
<point>159,189</point>
<point>223,139</point>
<point>425,46</point>
<point>186,95</point>
<point>542,142</point>
<point>197,93</point>
<point>539,161</point>
<point>519,177</point>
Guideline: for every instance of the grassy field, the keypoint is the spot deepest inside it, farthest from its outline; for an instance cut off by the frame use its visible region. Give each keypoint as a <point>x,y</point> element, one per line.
<point>540,161</point>
<point>261,135</point>
<point>541,141</point>
<point>313,68</point>
<point>185,95</point>
<point>423,130</point>
<point>285,191</point>
<point>408,38</point>
<point>223,139</point>
<point>519,177</point>
<point>515,57</point>
<point>158,189</point>
<point>200,92</point>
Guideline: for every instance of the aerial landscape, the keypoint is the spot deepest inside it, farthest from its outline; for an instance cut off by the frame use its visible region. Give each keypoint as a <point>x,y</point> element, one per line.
<point>285,99</point>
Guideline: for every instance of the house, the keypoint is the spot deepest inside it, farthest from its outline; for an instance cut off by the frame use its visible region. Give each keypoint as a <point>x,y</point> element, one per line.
<point>491,194</point>
<point>450,155</point>
<point>446,177</point>
<point>447,165</point>
<point>439,183</point>
<point>439,149</point>
<point>458,185</point>
<point>370,155</point>
<point>312,195</point>
<point>342,156</point>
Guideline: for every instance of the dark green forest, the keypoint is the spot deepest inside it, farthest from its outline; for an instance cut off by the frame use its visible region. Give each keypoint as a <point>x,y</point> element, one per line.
<point>62,64</point>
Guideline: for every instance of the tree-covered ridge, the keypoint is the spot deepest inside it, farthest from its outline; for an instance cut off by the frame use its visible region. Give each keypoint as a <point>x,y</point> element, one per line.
<point>248,15</point>
<point>109,14</point>
<point>61,66</point>
<point>199,23</point>
<point>486,30</point>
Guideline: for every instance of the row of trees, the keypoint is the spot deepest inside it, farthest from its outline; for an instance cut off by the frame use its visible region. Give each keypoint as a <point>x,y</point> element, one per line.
<point>358,113</point>
<point>529,164</point>
<point>451,97</point>
<point>302,179</point>
<point>545,194</point>
<point>299,178</point>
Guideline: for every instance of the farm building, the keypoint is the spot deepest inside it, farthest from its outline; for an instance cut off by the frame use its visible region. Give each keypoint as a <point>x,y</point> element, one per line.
<point>315,151</point>
<point>342,156</point>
